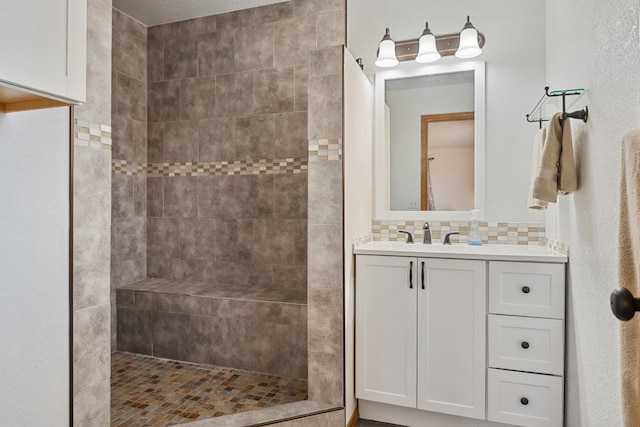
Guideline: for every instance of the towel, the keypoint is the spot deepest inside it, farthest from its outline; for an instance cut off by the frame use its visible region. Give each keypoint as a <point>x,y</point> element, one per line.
<point>538,143</point>
<point>555,172</point>
<point>567,177</point>
<point>629,272</point>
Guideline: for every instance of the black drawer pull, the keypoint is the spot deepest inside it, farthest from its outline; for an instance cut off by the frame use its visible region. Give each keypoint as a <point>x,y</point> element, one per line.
<point>422,275</point>
<point>524,345</point>
<point>411,275</point>
<point>524,401</point>
<point>526,289</point>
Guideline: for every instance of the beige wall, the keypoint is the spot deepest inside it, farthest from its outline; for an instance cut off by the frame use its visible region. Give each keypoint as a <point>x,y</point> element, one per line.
<point>358,189</point>
<point>579,55</point>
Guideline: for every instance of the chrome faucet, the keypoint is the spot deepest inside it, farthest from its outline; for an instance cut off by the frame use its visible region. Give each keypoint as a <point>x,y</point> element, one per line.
<point>409,235</point>
<point>427,234</point>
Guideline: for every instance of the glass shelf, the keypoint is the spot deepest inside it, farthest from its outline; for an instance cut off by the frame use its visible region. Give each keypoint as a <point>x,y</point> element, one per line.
<point>551,103</point>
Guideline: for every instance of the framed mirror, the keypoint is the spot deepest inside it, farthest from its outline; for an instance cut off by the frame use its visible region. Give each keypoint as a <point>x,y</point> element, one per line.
<point>429,141</point>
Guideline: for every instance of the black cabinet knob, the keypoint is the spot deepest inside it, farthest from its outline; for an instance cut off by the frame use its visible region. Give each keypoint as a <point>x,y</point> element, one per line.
<point>524,345</point>
<point>524,401</point>
<point>526,289</point>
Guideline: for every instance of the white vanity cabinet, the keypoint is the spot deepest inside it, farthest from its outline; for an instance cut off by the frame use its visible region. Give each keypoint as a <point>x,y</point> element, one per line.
<point>42,52</point>
<point>420,333</point>
<point>444,332</point>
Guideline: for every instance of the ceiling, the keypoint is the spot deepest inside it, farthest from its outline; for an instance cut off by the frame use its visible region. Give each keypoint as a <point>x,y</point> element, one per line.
<point>155,12</point>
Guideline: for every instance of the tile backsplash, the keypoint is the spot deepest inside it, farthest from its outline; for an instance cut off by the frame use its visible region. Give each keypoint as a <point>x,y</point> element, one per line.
<point>510,233</point>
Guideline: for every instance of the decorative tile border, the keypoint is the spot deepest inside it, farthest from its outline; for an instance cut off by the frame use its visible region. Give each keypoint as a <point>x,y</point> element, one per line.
<point>122,167</point>
<point>325,149</point>
<point>361,240</point>
<point>92,135</point>
<point>254,167</point>
<point>557,246</point>
<point>490,232</point>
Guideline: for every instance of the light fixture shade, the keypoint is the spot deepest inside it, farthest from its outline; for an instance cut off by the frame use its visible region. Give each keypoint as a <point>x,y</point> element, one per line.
<point>469,47</point>
<point>387,52</point>
<point>427,50</point>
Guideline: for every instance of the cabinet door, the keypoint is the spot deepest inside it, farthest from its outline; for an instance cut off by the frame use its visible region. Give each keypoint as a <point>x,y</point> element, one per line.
<point>43,47</point>
<point>451,336</point>
<point>386,329</point>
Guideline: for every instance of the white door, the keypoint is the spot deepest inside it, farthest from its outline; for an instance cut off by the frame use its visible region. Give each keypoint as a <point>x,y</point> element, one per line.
<point>386,329</point>
<point>451,336</point>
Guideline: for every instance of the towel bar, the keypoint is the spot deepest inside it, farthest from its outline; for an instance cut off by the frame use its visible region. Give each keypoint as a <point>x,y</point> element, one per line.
<point>623,304</point>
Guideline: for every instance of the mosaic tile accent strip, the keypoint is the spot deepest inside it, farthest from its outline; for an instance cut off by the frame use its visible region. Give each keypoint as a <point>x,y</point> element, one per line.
<point>359,241</point>
<point>147,391</point>
<point>122,167</point>
<point>92,135</point>
<point>490,232</point>
<point>325,149</point>
<point>557,246</point>
<point>254,167</point>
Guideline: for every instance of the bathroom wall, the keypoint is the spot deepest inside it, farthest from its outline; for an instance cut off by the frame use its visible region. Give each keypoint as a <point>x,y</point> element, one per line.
<point>92,227</point>
<point>358,128</point>
<point>325,297</point>
<point>597,48</point>
<point>34,309</point>
<point>515,78</point>
<point>129,156</point>
<point>227,148</point>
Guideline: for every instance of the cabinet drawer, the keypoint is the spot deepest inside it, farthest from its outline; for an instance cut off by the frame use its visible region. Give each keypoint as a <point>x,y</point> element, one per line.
<point>526,289</point>
<point>525,399</point>
<point>526,344</point>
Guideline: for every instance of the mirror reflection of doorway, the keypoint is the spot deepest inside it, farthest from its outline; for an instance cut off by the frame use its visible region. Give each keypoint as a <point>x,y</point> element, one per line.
<point>446,161</point>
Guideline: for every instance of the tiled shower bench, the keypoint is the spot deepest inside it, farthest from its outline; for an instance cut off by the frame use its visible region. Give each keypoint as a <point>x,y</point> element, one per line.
<point>240,327</point>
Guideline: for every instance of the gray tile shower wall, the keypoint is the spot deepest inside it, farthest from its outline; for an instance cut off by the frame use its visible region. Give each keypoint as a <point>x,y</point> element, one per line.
<point>129,186</point>
<point>227,147</point>
<point>92,225</point>
<point>239,104</point>
<point>326,294</point>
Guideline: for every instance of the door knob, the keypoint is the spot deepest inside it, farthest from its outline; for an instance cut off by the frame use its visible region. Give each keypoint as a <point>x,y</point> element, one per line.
<point>623,304</point>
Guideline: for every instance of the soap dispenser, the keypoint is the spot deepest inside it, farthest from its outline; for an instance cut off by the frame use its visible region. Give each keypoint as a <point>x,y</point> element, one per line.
<point>474,233</point>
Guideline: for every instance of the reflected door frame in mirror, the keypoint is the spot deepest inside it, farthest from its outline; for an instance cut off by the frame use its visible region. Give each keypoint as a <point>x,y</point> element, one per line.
<point>425,157</point>
<point>381,172</point>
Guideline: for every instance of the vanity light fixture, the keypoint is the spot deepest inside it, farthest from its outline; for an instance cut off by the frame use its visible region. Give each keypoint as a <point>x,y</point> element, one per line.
<point>387,52</point>
<point>428,48</point>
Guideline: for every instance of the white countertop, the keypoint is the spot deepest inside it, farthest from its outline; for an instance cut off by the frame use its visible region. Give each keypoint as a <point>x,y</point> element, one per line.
<point>529,253</point>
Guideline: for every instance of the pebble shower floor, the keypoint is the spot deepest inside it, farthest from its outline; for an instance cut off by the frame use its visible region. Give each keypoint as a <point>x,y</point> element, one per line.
<point>147,391</point>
